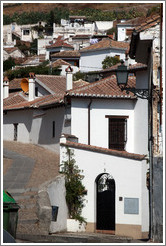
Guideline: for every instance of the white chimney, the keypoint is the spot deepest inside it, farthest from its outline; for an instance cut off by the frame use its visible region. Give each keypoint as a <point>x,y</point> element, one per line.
<point>31,86</point>
<point>69,78</point>
<point>5,87</point>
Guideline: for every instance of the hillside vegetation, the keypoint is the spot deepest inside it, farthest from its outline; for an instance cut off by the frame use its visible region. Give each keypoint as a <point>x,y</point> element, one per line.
<point>29,13</point>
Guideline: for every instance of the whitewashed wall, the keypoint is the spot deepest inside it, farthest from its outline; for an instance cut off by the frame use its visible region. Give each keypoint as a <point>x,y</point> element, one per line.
<point>41,45</point>
<point>92,60</point>
<point>41,131</point>
<point>57,194</point>
<point>24,120</point>
<point>35,126</point>
<point>136,123</point>
<point>130,182</point>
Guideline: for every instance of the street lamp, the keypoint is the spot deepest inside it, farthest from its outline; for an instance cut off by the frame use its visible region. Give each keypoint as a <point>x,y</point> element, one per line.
<point>122,79</point>
<point>122,74</point>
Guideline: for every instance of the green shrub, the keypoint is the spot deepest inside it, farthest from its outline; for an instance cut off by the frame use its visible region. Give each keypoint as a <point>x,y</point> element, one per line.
<point>110,61</point>
<point>8,64</point>
<point>75,190</point>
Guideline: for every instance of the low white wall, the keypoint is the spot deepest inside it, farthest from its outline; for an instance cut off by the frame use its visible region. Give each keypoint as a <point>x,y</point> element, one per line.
<point>130,181</point>
<point>57,194</point>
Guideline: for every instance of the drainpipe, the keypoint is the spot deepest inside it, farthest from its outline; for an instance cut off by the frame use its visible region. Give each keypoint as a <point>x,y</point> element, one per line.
<point>150,136</point>
<point>161,23</point>
<point>89,105</point>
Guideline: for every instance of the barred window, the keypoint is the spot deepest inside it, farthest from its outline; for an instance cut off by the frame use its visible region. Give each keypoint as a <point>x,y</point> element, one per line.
<point>117,132</point>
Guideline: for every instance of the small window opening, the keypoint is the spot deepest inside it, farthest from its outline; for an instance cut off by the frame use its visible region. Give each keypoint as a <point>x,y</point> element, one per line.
<point>53,129</point>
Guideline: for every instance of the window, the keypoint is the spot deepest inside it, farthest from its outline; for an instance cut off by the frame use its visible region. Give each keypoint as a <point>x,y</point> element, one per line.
<point>53,129</point>
<point>26,32</point>
<point>117,132</point>
<point>36,91</point>
<point>15,131</point>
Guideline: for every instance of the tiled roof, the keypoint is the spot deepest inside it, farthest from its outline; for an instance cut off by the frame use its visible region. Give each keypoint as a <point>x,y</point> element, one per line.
<point>15,83</point>
<point>92,148</point>
<point>67,53</point>
<point>148,23</point>
<point>15,102</point>
<point>133,67</point>
<point>58,63</point>
<point>106,43</point>
<point>105,88</point>
<point>81,36</point>
<point>13,99</point>
<point>56,84</point>
<point>133,22</point>
<point>79,83</point>
<point>59,43</point>
<point>34,59</point>
<point>10,50</point>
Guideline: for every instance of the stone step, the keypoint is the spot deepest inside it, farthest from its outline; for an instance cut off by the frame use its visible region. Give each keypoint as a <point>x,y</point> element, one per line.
<point>67,238</point>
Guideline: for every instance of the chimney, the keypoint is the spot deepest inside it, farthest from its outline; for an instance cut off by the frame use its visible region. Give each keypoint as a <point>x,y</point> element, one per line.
<point>5,87</point>
<point>31,86</point>
<point>69,78</point>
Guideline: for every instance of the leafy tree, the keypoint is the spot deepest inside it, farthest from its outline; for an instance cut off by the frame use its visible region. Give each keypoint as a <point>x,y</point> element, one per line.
<point>79,75</point>
<point>24,72</point>
<point>75,190</point>
<point>8,64</point>
<point>110,61</point>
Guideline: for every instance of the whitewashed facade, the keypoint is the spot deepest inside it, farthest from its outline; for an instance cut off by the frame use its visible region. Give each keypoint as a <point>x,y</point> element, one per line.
<point>92,59</point>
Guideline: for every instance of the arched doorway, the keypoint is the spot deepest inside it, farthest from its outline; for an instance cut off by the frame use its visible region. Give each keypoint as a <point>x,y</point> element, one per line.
<point>105,219</point>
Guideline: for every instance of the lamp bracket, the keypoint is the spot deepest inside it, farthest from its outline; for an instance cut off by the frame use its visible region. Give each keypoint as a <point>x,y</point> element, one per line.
<point>141,93</point>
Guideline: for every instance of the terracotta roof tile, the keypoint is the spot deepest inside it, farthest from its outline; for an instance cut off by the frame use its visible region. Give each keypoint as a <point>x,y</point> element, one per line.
<point>58,63</point>
<point>119,153</point>
<point>148,23</point>
<point>15,83</point>
<point>10,50</point>
<point>133,67</point>
<point>57,84</point>
<point>67,53</point>
<point>106,43</point>
<point>79,83</point>
<point>13,99</point>
<point>105,88</point>
<point>59,43</point>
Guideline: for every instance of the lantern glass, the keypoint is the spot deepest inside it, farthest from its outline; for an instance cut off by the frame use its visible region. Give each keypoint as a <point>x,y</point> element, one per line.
<point>122,75</point>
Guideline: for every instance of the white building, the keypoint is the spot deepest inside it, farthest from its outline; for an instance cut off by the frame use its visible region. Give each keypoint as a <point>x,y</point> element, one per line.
<point>92,56</point>
<point>101,27</point>
<point>37,114</point>
<point>111,144</point>
<point>13,52</point>
<point>125,28</point>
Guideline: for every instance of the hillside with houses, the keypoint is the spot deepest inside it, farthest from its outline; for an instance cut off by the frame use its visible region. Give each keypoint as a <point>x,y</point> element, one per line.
<point>91,91</point>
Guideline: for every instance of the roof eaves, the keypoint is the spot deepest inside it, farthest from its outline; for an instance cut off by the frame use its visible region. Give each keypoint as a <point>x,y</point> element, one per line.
<point>122,154</point>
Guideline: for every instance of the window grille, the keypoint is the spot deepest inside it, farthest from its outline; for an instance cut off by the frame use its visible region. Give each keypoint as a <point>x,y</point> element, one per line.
<point>117,133</point>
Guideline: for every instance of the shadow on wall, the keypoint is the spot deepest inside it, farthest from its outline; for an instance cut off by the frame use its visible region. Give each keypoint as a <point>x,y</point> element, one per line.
<point>51,127</point>
<point>52,195</point>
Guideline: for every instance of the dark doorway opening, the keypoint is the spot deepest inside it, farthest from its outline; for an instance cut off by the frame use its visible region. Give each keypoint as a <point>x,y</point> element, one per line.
<point>105,203</point>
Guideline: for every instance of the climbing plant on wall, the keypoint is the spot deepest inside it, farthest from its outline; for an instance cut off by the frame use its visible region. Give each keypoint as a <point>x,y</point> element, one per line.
<point>75,190</point>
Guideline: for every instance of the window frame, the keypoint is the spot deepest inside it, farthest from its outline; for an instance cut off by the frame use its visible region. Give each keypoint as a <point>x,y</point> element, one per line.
<point>123,117</point>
